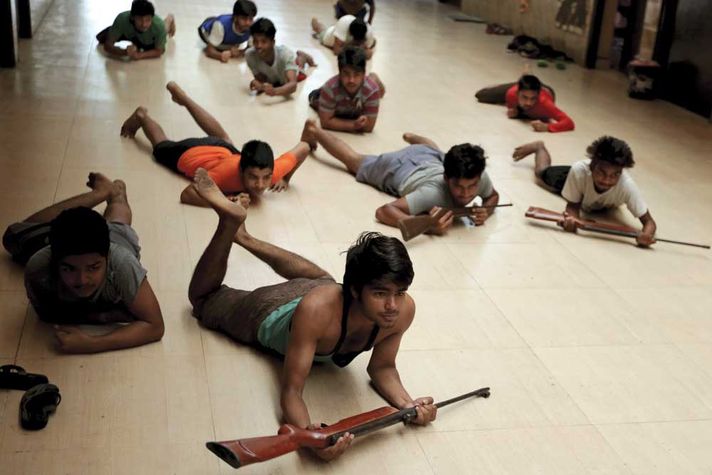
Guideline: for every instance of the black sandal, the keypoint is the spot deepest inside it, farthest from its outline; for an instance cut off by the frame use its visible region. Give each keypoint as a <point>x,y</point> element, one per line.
<point>37,404</point>
<point>15,377</point>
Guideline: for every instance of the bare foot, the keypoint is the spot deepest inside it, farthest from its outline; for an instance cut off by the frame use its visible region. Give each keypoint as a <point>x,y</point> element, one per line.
<point>209,191</point>
<point>305,58</point>
<point>526,149</point>
<point>118,189</point>
<point>177,93</point>
<point>100,183</point>
<point>133,123</point>
<point>316,25</point>
<point>308,134</point>
<point>410,138</point>
<point>378,81</point>
<point>170,23</point>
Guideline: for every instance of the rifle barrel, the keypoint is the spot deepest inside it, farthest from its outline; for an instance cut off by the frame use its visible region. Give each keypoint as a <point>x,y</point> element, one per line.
<point>635,234</point>
<point>404,415</point>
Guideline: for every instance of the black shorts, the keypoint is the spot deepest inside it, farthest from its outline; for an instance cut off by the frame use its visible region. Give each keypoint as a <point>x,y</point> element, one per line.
<point>555,177</point>
<point>168,152</point>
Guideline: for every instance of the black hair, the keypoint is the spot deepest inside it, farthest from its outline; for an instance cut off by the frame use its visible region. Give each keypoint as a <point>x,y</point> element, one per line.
<point>358,30</point>
<point>611,150</point>
<point>529,82</point>
<point>142,8</point>
<point>263,26</point>
<point>257,154</point>
<point>464,161</point>
<point>376,258</point>
<point>244,8</point>
<point>354,57</point>
<point>78,231</point>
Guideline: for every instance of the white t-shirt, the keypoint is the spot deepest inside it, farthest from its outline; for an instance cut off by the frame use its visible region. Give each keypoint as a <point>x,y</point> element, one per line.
<point>341,32</point>
<point>579,188</point>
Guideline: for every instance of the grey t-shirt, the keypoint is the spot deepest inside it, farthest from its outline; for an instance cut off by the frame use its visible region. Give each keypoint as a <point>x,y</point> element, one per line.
<point>54,303</point>
<point>426,188</point>
<point>284,60</point>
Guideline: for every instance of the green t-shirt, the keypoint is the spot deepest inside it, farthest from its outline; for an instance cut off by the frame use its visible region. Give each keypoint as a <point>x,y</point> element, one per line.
<point>124,30</point>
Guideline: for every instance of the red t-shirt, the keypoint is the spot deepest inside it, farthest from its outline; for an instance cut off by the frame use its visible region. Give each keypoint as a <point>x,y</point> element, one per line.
<point>224,166</point>
<point>544,109</point>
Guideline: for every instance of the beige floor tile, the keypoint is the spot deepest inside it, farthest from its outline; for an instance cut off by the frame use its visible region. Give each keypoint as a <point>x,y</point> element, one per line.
<point>450,319</point>
<point>664,447</point>
<point>621,265</point>
<point>524,393</point>
<point>13,307</point>
<point>654,320</point>
<point>571,317</point>
<point>178,458</point>
<point>579,449</point>
<point>544,265</point>
<point>57,462</point>
<point>631,383</point>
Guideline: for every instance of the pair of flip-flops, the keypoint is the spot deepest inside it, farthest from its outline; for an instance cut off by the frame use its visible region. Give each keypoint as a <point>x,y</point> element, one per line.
<point>40,399</point>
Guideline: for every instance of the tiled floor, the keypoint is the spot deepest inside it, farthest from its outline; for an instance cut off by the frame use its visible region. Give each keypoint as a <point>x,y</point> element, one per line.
<point>599,354</point>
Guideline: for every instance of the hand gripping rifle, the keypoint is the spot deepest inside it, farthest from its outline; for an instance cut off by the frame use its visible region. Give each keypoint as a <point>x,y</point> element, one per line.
<point>593,226</point>
<point>289,438</point>
<point>416,225</point>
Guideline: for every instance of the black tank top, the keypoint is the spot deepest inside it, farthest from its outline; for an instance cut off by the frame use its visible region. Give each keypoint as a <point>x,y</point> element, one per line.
<point>342,359</point>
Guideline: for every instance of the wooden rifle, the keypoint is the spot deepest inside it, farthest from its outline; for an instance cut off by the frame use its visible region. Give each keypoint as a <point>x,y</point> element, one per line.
<point>413,226</point>
<point>596,227</point>
<point>289,438</point>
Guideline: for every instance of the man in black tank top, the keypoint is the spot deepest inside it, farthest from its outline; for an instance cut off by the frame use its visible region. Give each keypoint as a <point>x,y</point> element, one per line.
<point>311,317</point>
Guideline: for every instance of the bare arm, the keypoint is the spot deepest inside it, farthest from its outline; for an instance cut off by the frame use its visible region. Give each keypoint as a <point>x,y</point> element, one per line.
<point>214,53</point>
<point>112,49</point>
<point>571,217</point>
<point>308,322</point>
<point>647,234</point>
<point>285,89</point>
<point>391,213</point>
<point>150,54</point>
<point>384,374</point>
<point>147,328</point>
<point>363,123</point>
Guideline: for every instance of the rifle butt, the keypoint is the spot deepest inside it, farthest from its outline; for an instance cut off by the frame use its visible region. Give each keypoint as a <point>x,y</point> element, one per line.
<point>415,226</point>
<point>240,452</point>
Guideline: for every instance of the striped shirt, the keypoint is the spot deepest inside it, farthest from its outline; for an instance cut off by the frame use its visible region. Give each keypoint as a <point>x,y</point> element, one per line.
<point>334,98</point>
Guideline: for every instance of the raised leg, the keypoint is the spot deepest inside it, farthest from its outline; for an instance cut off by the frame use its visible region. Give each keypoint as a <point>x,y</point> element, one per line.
<point>305,59</point>
<point>285,263</point>
<point>317,26</point>
<point>170,23</point>
<point>101,188</point>
<point>117,206</point>
<point>542,159</point>
<point>415,139</point>
<point>141,120</point>
<point>494,94</point>
<point>210,270</point>
<point>336,147</point>
<point>202,117</point>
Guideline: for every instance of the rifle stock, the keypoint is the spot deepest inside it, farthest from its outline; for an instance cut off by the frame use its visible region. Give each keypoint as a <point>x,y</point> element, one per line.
<point>240,452</point>
<point>289,438</point>
<point>414,226</point>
